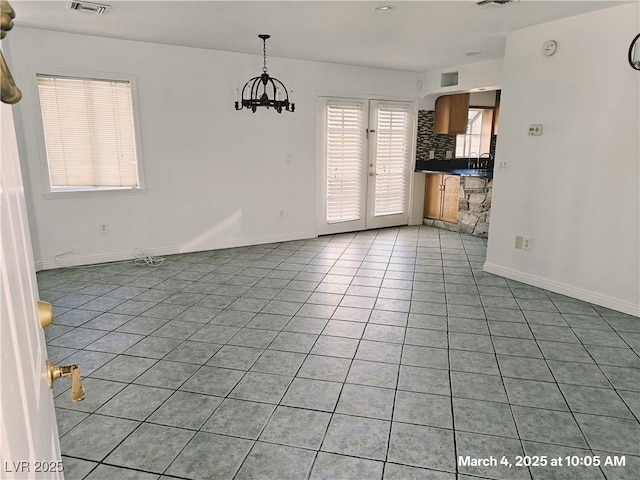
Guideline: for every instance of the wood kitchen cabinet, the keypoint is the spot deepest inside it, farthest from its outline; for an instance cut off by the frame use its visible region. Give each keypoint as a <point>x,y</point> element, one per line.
<point>451,115</point>
<point>441,197</point>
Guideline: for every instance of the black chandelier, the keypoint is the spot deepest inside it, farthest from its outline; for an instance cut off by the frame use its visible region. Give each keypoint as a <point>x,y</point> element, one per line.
<point>265,91</point>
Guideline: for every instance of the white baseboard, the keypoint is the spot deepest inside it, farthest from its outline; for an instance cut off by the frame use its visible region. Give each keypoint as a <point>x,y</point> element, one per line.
<point>563,289</point>
<point>94,259</point>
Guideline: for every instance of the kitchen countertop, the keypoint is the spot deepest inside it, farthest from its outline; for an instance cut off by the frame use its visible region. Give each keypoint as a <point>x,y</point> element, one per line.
<point>456,166</point>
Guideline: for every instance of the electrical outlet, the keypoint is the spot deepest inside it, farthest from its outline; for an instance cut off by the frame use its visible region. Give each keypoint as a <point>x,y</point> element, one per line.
<point>449,154</point>
<point>281,213</point>
<point>432,154</point>
<point>503,165</point>
<point>104,228</point>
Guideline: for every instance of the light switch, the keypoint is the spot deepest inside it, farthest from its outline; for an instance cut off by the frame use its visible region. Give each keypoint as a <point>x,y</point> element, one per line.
<point>535,129</point>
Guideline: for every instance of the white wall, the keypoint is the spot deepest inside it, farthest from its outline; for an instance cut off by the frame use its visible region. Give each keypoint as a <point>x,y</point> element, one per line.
<point>215,177</point>
<point>575,189</point>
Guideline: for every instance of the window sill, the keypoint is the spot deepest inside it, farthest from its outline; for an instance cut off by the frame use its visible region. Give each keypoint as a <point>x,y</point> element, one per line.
<point>106,192</point>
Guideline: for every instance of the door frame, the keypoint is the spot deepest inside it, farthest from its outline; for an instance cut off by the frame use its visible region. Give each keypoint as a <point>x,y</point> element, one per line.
<point>321,97</point>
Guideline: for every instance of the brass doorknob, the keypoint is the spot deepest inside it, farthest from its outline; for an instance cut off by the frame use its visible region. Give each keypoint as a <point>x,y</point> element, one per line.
<point>45,313</point>
<point>54,372</point>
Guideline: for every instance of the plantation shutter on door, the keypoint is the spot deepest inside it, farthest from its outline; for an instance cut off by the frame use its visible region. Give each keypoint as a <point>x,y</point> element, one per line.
<point>345,125</point>
<point>89,133</point>
<point>392,148</point>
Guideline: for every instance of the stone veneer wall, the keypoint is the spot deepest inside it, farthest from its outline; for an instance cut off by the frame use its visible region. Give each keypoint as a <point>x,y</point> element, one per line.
<point>474,208</point>
<point>427,140</point>
<point>474,205</point>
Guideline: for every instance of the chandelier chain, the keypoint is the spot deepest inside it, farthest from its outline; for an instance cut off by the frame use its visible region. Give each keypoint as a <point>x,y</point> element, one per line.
<point>264,55</point>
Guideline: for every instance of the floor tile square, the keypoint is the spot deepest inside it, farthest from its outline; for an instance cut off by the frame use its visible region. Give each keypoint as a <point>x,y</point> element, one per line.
<point>96,436</point>
<point>423,409</point>
<point>374,374</point>
<point>523,367</point>
<point>483,417</point>
<point>555,473</point>
<point>213,381</point>
<point>357,436</point>
<point>623,378</point>
<point>425,380</point>
<point>185,410</point>
<point>384,333</point>
<point>596,401</point>
<point>251,337</point>
<point>193,352</point>
<point>332,369</point>
<point>366,401</point>
<point>135,402</point>
<point>578,374</point>
<point>470,342</point>
<point>153,347</point>
<point>386,317</point>
<point>478,387</point>
<point>548,426</point>
<point>312,326</point>
<point>329,466</point>
<point>239,418</point>
<point>282,363</point>
<point>293,342</point>
<point>422,446</point>
<point>394,471</point>
<point>268,461</point>
<point>123,368</point>
<point>296,427</point>
<point>335,346</point>
<point>239,358</point>
<point>312,394</point>
<point>210,456</point>
<point>474,362</point>
<point>486,446</point>
<point>166,374</point>
<point>261,387</point>
<point>531,393</point>
<point>425,357</point>
<point>340,328</point>
<point>151,448</point>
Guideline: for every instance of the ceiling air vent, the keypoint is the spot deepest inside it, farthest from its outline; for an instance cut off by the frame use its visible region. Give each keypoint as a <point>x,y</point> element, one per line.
<point>97,8</point>
<point>494,2</point>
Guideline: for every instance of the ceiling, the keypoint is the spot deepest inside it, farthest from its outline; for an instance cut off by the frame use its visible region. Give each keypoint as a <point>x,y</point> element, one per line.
<point>415,36</point>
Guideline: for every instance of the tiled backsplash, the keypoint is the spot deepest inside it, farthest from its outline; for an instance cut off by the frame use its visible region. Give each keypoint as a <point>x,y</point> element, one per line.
<point>427,140</point>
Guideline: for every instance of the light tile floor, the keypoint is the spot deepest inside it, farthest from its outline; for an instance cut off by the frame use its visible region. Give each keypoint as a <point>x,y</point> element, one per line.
<point>382,354</point>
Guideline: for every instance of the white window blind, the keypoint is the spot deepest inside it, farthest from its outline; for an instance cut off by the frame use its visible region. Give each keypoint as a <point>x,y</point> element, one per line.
<point>392,148</point>
<point>89,133</point>
<point>344,161</point>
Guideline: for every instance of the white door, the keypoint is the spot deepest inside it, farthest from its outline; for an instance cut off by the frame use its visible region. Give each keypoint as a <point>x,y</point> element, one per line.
<point>364,166</point>
<point>29,445</point>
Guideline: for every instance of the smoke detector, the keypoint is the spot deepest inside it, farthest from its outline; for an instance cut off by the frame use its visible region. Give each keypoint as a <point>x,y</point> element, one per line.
<point>89,7</point>
<point>494,2</point>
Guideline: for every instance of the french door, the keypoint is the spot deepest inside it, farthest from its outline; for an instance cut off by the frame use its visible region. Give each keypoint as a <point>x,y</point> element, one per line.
<point>364,167</point>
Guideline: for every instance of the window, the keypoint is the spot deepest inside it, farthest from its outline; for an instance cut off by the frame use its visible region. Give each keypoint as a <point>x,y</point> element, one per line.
<point>477,139</point>
<point>89,133</point>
